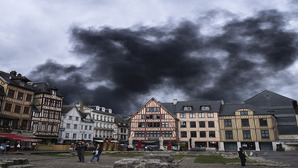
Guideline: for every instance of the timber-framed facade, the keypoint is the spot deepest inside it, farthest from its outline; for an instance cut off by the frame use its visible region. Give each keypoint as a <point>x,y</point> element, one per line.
<point>153,121</point>
<point>45,121</point>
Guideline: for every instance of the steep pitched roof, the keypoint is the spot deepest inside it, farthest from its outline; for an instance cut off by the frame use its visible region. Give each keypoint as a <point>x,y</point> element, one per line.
<point>196,106</point>
<point>45,87</point>
<point>67,108</point>
<point>16,80</point>
<point>268,99</point>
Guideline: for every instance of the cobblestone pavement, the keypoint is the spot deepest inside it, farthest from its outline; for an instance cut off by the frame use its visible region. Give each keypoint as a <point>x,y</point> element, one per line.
<point>107,161</point>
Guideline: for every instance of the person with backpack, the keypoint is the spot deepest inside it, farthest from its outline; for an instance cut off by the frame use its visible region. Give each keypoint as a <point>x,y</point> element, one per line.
<point>242,155</point>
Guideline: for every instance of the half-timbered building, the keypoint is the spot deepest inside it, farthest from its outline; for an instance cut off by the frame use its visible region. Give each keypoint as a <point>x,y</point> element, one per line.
<point>46,115</point>
<point>153,121</point>
<point>16,107</point>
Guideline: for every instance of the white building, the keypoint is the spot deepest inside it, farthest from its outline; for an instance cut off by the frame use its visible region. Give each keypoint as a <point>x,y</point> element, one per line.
<point>122,128</point>
<point>75,125</point>
<point>104,126</point>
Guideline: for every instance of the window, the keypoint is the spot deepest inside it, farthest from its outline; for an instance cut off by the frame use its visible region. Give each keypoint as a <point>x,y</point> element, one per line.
<point>201,115</point>
<point>265,134</point>
<point>211,124</point>
<point>182,124</point>
<point>210,115</point>
<point>29,97</point>
<point>47,102</point>
<point>77,118</point>
<point>58,104</point>
<point>26,110</point>
<point>153,124</point>
<point>192,124</point>
<point>183,134</point>
<point>89,136</point>
<point>20,96</point>
<point>182,115</point>
<point>143,116</point>
<point>36,114</point>
<point>68,126</point>
<point>202,124</point>
<point>193,134</point>
<point>51,115</point>
<point>53,103</point>
<point>245,122</point>
<point>211,134</point>
<point>90,127</point>
<point>139,134</point>
<point>17,109</point>
<point>164,125</point>
<point>187,108</point>
<point>246,134</point>
<point>75,126</point>
<point>228,123</point>
<point>141,125</point>
<point>57,115</point>
<point>55,128</point>
<point>162,116</point>
<point>263,121</point>
<point>205,108</point>
<point>74,136</point>
<point>35,125</point>
<point>166,133</point>
<point>70,117</point>
<point>202,134</point>
<point>45,113</point>
<point>43,126</point>
<point>154,134</point>
<point>153,109</point>
<point>192,115</point>
<point>229,135</point>
<point>243,112</point>
<point>67,135</point>
<point>86,127</point>
<point>49,127</point>
<point>10,93</point>
<point>7,107</point>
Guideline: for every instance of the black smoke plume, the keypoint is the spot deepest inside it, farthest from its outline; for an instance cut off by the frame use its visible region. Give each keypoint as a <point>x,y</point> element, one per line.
<point>122,65</point>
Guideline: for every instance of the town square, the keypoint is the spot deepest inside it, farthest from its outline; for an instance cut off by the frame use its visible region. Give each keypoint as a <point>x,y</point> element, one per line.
<point>152,83</point>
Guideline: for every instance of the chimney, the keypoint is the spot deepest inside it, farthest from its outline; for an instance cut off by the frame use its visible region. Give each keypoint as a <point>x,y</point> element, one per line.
<point>222,102</point>
<point>14,73</point>
<point>175,101</point>
<point>82,106</point>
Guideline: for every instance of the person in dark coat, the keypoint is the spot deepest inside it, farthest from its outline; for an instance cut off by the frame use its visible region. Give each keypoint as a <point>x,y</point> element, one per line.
<point>81,148</point>
<point>242,156</point>
<point>96,153</point>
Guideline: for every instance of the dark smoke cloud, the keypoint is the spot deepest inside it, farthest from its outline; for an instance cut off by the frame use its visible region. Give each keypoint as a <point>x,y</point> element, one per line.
<point>135,60</point>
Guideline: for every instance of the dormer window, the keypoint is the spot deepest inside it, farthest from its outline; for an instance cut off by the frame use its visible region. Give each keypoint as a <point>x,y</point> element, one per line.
<point>243,112</point>
<point>53,92</point>
<point>187,108</point>
<point>205,108</point>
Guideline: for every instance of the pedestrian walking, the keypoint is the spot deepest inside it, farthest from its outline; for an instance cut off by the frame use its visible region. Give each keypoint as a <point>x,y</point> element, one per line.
<point>19,147</point>
<point>242,155</point>
<point>96,153</point>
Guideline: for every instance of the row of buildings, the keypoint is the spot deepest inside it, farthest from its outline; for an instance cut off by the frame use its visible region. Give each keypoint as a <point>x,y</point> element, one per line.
<point>266,121</point>
<point>35,110</point>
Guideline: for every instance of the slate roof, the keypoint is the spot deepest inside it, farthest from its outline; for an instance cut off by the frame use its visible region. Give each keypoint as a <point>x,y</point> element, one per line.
<point>45,87</point>
<point>2,93</point>
<point>13,79</point>
<point>229,109</point>
<point>67,108</point>
<point>215,106</point>
<point>282,107</point>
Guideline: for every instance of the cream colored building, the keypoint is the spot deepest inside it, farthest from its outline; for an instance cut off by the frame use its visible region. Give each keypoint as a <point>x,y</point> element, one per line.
<point>246,126</point>
<point>198,123</point>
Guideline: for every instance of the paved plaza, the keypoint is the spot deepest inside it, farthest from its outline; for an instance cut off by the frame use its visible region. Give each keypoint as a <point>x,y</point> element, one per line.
<point>107,161</point>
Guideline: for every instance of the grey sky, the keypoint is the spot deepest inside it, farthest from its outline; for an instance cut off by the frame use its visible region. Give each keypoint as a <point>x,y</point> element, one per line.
<point>35,31</point>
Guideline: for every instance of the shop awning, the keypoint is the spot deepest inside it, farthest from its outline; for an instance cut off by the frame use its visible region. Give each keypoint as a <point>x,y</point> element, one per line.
<point>19,138</point>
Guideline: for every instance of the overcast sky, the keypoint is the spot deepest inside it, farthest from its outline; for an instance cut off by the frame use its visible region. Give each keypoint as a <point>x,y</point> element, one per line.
<point>120,53</point>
